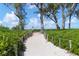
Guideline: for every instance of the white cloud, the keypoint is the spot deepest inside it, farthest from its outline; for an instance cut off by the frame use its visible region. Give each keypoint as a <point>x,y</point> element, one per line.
<point>38,15</point>
<point>35,23</point>
<point>0,22</point>
<point>74,23</point>
<point>31,6</point>
<point>49,24</point>
<point>73,20</point>
<point>10,20</point>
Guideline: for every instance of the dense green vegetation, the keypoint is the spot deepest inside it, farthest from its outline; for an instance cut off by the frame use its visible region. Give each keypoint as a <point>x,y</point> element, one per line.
<point>65,36</point>
<point>11,41</point>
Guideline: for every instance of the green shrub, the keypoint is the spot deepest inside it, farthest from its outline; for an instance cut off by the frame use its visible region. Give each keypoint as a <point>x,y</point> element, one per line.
<point>65,36</point>
<point>10,41</point>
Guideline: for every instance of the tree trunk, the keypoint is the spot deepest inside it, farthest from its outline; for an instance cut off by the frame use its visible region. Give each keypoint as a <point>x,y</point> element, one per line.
<point>57,26</point>
<point>63,19</point>
<point>56,22</point>
<point>63,24</point>
<point>19,15</point>
<point>21,24</point>
<point>41,18</point>
<point>69,22</point>
<point>42,25</point>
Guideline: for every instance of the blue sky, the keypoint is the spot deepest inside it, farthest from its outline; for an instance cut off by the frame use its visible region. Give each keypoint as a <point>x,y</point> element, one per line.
<point>9,19</point>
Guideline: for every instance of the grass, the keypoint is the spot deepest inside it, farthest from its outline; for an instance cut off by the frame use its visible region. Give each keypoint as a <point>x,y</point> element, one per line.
<point>65,36</point>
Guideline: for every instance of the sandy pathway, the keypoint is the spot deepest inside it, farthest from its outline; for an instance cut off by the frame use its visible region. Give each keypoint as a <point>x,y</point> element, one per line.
<point>38,46</point>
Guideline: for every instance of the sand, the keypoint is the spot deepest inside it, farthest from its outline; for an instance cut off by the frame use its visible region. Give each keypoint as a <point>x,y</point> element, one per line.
<point>37,45</point>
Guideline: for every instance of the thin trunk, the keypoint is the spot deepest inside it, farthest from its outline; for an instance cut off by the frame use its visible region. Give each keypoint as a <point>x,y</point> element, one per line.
<point>63,19</point>
<point>56,22</point>
<point>41,18</point>
<point>57,26</point>
<point>42,25</point>
<point>69,22</point>
<point>21,20</point>
<point>21,24</point>
<point>63,24</point>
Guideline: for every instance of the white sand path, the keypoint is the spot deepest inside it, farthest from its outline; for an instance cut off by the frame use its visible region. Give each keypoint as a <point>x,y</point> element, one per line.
<point>37,45</point>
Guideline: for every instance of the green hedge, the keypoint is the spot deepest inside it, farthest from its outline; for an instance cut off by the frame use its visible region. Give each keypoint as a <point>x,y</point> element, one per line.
<point>11,42</point>
<point>65,36</point>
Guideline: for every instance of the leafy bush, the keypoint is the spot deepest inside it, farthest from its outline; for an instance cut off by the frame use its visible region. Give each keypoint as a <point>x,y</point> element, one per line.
<point>11,43</point>
<point>65,36</point>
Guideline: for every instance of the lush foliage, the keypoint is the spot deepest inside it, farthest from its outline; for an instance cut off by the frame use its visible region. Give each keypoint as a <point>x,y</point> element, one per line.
<point>11,42</point>
<point>65,36</point>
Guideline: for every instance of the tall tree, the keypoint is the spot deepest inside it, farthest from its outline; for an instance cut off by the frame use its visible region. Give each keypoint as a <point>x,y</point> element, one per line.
<point>41,17</point>
<point>62,7</point>
<point>20,13</point>
<point>71,7</point>
<point>52,13</point>
<point>42,10</point>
